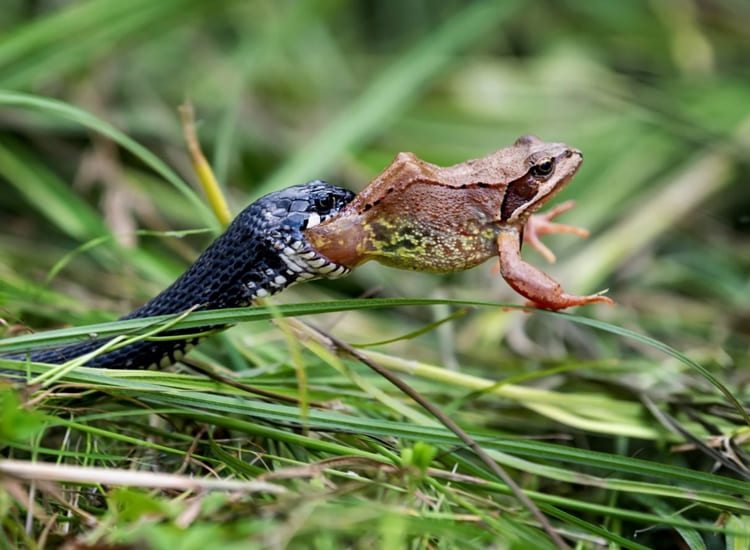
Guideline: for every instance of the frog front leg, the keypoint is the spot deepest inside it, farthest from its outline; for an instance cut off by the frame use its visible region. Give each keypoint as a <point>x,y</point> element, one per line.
<point>542,224</point>
<point>532,283</point>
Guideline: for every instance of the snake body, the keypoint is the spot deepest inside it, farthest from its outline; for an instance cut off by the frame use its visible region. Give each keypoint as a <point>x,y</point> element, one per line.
<point>262,252</point>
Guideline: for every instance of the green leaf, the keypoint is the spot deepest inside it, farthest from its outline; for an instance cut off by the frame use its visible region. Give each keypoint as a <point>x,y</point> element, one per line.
<point>740,540</point>
<point>16,422</point>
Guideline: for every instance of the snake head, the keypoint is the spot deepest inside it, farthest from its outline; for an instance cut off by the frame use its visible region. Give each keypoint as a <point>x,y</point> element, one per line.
<point>289,213</point>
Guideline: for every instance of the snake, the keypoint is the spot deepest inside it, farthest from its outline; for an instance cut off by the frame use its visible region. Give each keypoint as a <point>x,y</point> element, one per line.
<point>261,253</point>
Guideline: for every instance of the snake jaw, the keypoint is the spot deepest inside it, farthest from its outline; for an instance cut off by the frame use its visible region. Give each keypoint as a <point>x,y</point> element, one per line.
<point>304,263</point>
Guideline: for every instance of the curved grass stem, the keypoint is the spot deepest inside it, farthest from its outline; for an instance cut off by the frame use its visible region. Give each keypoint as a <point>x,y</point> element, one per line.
<point>210,185</point>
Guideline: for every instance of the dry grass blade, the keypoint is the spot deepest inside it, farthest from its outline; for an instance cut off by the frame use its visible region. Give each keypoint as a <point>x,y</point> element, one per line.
<point>39,471</point>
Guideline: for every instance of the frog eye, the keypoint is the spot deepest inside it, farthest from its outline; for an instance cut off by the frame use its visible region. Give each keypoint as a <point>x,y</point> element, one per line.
<point>543,169</point>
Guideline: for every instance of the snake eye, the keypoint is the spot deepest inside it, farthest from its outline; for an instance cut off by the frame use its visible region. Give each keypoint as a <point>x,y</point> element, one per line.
<point>543,169</point>
<point>324,203</point>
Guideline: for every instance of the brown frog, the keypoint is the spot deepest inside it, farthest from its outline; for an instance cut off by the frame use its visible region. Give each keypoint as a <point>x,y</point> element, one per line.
<point>419,216</point>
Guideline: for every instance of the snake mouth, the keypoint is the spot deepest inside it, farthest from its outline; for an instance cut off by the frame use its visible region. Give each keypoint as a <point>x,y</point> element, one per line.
<point>314,264</point>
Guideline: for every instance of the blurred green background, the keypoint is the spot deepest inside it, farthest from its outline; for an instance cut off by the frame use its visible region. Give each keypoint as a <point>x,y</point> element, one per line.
<point>655,93</point>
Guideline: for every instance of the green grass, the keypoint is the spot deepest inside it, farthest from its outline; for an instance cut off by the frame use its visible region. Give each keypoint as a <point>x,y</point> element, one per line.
<point>627,426</point>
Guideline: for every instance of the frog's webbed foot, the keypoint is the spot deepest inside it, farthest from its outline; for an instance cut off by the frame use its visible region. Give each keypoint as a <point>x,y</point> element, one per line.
<point>541,224</point>
<point>532,283</point>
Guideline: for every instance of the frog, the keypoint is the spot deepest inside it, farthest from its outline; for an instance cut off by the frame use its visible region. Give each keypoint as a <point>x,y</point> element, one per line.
<point>419,216</point>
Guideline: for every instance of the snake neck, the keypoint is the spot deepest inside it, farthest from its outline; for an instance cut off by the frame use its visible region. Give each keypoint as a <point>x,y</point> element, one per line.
<point>260,254</point>
<point>256,270</point>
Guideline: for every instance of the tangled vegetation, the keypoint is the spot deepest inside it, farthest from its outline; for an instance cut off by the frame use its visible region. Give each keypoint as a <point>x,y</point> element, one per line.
<point>626,426</point>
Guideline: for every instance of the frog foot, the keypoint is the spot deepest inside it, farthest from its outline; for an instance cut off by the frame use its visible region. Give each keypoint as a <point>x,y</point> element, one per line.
<point>541,224</point>
<point>563,300</point>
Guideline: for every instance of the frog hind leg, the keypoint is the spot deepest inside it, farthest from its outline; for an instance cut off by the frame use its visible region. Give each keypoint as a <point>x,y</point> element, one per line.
<point>532,283</point>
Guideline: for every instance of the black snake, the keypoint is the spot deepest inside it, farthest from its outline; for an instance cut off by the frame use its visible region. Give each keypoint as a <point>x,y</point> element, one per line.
<point>262,252</point>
